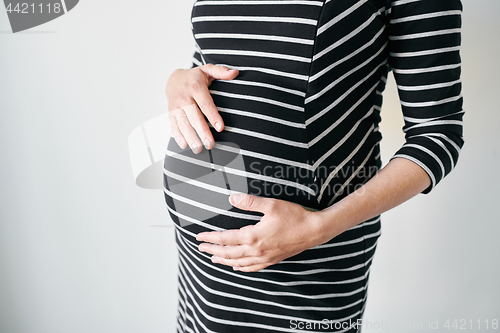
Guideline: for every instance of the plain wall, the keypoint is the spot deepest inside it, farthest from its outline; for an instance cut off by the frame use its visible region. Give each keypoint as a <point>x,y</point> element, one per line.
<point>78,250</point>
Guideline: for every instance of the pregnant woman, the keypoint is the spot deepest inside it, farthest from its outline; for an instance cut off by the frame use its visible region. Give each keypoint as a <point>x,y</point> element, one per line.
<point>280,114</point>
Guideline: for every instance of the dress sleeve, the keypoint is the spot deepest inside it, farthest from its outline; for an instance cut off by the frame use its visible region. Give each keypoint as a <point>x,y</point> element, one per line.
<point>424,44</point>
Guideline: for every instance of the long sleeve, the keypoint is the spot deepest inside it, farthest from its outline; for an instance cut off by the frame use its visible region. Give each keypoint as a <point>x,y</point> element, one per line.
<point>424,45</point>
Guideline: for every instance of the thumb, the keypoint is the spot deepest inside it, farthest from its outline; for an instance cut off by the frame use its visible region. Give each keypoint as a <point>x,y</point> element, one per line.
<point>219,72</point>
<point>247,202</point>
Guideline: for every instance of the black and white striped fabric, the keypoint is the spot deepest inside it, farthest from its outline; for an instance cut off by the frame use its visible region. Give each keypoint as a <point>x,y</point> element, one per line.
<point>303,115</point>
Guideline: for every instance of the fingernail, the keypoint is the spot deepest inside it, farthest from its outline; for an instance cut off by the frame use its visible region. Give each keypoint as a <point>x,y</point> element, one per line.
<point>201,248</point>
<point>234,198</point>
<point>235,268</point>
<point>194,147</point>
<point>218,126</point>
<point>207,143</point>
<point>214,259</point>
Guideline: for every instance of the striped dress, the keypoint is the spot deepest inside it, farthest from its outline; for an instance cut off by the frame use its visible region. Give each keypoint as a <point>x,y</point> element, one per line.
<point>301,124</point>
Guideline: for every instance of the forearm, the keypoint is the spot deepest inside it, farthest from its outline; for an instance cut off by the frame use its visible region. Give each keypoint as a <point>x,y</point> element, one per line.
<point>280,233</point>
<point>398,181</point>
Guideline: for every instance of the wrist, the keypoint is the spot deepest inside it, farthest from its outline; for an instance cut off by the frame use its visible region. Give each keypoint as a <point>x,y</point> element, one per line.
<point>324,226</point>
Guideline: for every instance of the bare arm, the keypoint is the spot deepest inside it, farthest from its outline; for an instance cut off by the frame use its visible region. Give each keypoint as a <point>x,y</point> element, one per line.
<point>287,229</point>
<point>398,181</point>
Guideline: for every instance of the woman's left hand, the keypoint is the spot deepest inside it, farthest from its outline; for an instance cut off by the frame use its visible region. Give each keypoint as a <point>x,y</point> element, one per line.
<point>285,229</point>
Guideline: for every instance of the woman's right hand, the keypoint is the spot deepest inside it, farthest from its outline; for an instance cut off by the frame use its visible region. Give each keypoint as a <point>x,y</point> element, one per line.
<point>189,99</point>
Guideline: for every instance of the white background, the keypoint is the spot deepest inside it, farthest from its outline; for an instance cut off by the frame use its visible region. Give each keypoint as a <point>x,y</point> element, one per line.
<point>78,250</point>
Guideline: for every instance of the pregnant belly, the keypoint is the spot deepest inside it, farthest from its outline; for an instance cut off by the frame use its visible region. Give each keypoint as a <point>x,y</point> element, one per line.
<point>197,186</point>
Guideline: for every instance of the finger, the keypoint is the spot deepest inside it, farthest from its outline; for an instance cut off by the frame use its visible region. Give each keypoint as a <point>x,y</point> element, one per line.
<point>251,202</point>
<point>206,104</point>
<point>227,252</point>
<point>253,268</point>
<point>187,130</point>
<point>174,128</point>
<point>200,125</point>
<point>240,263</point>
<point>219,72</point>
<point>227,237</point>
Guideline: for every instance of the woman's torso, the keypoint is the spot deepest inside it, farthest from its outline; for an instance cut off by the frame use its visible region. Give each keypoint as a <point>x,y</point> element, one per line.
<point>301,119</point>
